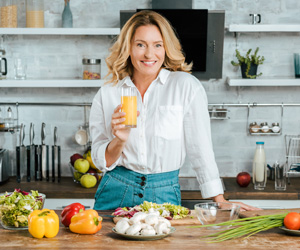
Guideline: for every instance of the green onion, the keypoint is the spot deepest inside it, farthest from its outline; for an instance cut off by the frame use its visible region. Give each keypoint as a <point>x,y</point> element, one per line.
<point>245,227</point>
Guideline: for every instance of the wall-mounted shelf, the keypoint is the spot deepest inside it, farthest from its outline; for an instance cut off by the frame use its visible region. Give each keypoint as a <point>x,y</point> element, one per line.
<point>263,82</point>
<point>59,31</point>
<point>264,28</point>
<point>57,83</point>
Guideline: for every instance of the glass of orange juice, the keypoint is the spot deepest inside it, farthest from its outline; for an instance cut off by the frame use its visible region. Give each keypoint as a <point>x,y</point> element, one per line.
<point>129,106</point>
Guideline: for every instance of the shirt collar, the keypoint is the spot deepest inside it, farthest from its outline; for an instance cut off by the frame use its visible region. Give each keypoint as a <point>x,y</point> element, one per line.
<point>162,78</point>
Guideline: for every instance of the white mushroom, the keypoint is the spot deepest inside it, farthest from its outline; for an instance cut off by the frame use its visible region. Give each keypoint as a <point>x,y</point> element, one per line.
<point>122,225</point>
<point>162,228</point>
<point>148,231</point>
<point>151,219</point>
<point>152,211</point>
<point>162,219</point>
<point>144,225</point>
<point>134,229</point>
<point>138,217</point>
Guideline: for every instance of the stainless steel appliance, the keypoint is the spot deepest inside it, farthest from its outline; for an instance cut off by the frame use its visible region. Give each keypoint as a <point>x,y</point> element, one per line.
<point>4,165</point>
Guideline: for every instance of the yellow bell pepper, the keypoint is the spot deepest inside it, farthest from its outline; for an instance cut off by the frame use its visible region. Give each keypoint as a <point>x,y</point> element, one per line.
<point>43,223</point>
<point>86,222</point>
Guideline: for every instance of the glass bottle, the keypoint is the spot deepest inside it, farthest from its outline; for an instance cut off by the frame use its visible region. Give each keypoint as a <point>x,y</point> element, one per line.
<point>67,18</point>
<point>275,127</point>
<point>254,127</point>
<point>10,118</point>
<point>264,127</point>
<point>91,69</point>
<point>259,168</point>
<point>8,14</point>
<point>35,13</point>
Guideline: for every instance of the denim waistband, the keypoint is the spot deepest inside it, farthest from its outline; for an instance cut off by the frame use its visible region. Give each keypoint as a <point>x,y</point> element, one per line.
<point>146,180</point>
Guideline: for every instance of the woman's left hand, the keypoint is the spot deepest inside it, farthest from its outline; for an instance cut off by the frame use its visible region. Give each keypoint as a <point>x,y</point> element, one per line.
<point>244,207</point>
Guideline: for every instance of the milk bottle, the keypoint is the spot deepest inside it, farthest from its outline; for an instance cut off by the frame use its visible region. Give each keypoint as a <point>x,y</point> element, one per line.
<point>259,167</point>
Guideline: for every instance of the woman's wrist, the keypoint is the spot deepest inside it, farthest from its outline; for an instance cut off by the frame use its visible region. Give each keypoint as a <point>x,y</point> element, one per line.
<point>219,198</point>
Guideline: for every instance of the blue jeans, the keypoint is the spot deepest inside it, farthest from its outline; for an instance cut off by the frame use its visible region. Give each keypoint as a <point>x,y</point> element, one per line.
<point>125,188</point>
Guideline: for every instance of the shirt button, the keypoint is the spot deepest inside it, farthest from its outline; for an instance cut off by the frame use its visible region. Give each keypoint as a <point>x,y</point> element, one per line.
<point>141,195</point>
<point>143,178</point>
<point>142,183</point>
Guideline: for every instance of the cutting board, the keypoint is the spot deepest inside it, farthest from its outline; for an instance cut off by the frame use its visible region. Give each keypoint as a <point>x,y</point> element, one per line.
<point>247,214</point>
<point>189,220</point>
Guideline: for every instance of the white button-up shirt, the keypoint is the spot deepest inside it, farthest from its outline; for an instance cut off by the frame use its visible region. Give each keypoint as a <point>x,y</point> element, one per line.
<point>173,123</point>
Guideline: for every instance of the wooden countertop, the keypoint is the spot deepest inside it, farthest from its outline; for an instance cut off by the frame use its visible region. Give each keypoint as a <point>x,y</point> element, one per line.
<point>182,238</point>
<point>68,189</point>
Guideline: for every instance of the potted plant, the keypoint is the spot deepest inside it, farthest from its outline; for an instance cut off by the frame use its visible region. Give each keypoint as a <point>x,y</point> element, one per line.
<point>248,63</point>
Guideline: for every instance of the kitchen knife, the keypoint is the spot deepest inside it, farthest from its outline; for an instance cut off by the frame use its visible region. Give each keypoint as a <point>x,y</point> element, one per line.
<point>55,158</point>
<point>44,166</point>
<point>31,155</point>
<point>21,156</point>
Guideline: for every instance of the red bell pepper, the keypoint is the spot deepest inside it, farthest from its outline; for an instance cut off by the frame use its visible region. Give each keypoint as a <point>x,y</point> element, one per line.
<point>69,211</point>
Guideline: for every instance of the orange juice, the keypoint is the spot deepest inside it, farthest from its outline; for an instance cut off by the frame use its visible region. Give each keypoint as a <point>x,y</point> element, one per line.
<point>129,106</point>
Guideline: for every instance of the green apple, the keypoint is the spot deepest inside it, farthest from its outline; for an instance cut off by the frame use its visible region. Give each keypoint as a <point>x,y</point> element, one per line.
<point>77,176</point>
<point>82,165</point>
<point>88,181</point>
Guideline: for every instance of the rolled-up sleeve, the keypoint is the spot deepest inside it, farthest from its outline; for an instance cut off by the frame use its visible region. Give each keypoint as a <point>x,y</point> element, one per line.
<point>198,142</point>
<point>99,134</point>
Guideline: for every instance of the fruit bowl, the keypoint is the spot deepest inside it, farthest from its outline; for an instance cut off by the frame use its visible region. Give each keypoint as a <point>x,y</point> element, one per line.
<point>13,214</point>
<point>216,212</point>
<point>77,175</point>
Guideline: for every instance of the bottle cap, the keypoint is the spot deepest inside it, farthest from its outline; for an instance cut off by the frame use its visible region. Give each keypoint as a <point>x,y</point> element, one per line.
<point>260,142</point>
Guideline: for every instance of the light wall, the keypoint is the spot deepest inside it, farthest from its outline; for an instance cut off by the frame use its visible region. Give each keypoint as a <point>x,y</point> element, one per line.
<point>60,57</point>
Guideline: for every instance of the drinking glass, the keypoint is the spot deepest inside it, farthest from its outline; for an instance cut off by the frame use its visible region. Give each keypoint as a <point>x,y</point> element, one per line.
<point>280,177</point>
<point>297,64</point>
<point>129,106</point>
<point>20,68</point>
<point>260,175</point>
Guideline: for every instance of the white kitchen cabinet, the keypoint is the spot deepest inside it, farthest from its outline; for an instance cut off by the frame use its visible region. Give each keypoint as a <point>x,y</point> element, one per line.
<point>243,28</point>
<point>271,204</point>
<point>61,203</point>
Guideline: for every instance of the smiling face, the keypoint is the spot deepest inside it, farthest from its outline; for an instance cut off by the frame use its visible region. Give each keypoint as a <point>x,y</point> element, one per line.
<point>147,52</point>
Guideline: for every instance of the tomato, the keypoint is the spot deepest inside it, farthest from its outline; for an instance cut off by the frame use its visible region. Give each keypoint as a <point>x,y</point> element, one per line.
<point>292,221</point>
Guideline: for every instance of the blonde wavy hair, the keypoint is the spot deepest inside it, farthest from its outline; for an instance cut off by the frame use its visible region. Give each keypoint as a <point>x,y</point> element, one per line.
<point>119,63</point>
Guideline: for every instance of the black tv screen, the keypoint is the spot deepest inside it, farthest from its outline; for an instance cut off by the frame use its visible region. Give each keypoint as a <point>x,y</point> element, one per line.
<point>191,28</point>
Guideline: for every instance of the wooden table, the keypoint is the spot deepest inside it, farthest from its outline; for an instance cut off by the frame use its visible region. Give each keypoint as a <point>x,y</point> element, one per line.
<point>182,238</point>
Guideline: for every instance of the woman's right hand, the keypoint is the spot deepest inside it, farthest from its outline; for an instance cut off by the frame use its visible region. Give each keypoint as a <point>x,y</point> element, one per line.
<point>118,129</point>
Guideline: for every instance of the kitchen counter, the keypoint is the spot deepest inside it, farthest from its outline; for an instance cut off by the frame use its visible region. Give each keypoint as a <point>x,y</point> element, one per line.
<point>68,189</point>
<point>182,238</point>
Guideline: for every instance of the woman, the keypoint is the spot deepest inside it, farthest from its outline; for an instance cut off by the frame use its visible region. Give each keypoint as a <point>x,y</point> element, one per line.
<point>143,163</point>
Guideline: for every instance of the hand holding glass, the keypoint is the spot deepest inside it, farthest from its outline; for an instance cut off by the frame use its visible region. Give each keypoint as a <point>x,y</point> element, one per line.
<point>129,106</point>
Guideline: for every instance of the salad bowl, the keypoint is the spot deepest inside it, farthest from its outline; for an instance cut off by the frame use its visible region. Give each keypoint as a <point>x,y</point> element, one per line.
<point>16,206</point>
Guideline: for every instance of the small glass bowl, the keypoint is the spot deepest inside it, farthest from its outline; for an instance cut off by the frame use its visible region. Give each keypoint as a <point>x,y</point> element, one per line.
<point>77,175</point>
<point>42,197</point>
<point>216,212</point>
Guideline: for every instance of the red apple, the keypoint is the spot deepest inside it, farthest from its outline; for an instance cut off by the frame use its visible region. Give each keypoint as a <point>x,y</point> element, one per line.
<point>243,179</point>
<point>74,157</point>
<point>94,172</point>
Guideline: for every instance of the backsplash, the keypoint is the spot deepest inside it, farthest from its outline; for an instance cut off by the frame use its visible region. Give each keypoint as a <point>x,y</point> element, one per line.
<point>57,56</point>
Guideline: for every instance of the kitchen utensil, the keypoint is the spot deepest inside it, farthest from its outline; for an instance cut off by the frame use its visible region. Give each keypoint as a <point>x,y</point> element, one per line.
<point>3,65</point>
<point>216,212</point>
<point>292,145</point>
<point>31,155</point>
<point>56,158</point>
<point>81,136</point>
<point>255,18</point>
<point>21,155</point>
<point>3,165</point>
<point>44,155</point>
<point>247,214</point>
